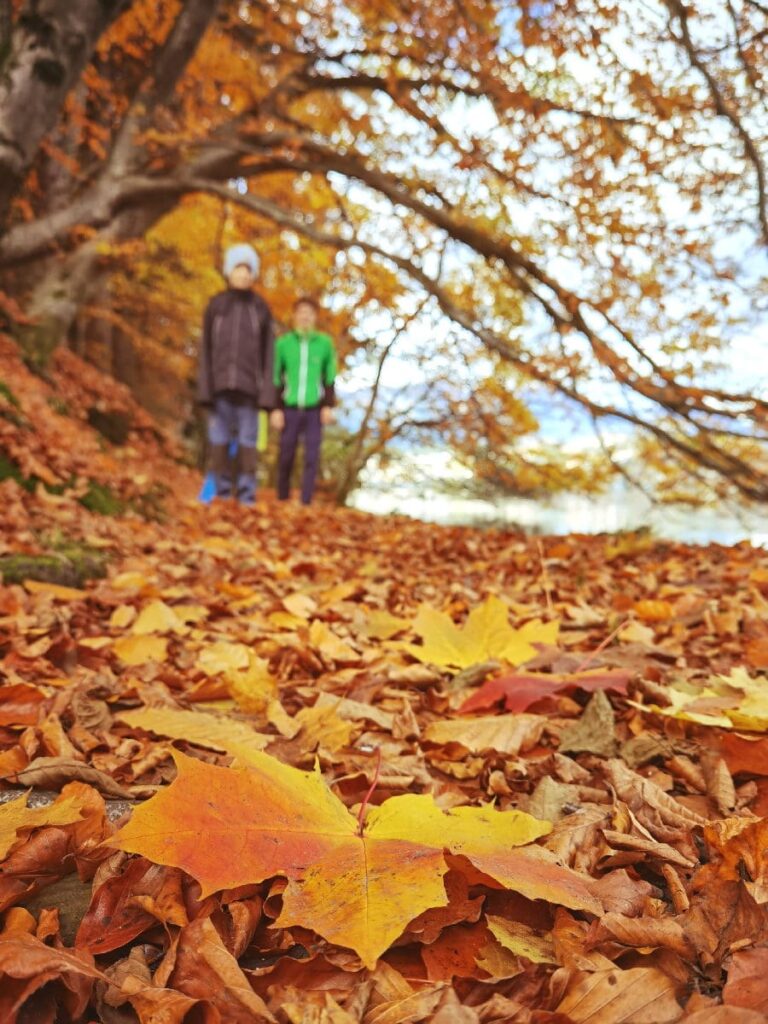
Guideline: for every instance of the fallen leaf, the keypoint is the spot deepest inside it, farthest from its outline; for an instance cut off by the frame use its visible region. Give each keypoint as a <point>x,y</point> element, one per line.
<point>640,995</point>
<point>138,650</point>
<point>55,590</point>
<point>55,772</point>
<point>747,984</point>
<point>380,880</point>
<point>594,732</point>
<point>507,733</point>
<point>200,727</point>
<point>486,635</point>
<point>27,965</point>
<point>522,940</point>
<point>16,817</point>
<point>521,689</point>
<point>156,617</point>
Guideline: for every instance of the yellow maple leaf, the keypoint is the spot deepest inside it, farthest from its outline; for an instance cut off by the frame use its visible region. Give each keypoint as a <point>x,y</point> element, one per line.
<point>382,625</point>
<point>486,635</point>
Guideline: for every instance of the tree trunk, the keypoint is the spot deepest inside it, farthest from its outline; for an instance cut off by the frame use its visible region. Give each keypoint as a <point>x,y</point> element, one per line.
<point>71,281</point>
<point>44,54</point>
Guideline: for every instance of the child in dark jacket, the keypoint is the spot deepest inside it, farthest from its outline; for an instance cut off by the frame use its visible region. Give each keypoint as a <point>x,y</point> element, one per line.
<point>304,375</point>
<point>236,373</point>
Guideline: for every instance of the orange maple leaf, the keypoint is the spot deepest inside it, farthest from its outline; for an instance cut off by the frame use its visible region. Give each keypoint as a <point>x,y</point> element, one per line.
<point>357,885</point>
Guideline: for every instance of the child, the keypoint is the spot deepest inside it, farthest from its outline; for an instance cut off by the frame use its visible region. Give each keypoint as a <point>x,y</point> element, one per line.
<point>305,369</point>
<point>235,373</point>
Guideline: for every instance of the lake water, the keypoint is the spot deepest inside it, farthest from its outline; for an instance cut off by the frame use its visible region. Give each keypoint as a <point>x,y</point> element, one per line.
<point>623,508</point>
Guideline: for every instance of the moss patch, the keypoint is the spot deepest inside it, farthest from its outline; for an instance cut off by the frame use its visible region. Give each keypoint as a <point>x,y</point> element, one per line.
<point>111,424</point>
<point>101,499</point>
<point>8,395</point>
<point>70,566</point>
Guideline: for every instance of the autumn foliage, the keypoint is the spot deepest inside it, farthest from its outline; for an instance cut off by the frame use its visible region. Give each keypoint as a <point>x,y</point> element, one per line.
<point>536,207</point>
<point>290,764</point>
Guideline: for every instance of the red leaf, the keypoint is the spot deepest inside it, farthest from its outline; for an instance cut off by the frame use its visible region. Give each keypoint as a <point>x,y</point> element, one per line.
<point>520,690</point>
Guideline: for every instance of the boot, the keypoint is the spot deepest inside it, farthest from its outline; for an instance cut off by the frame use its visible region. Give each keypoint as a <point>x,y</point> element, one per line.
<point>222,470</point>
<point>246,475</point>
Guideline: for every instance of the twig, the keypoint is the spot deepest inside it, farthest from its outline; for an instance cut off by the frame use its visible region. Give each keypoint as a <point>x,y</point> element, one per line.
<point>601,647</point>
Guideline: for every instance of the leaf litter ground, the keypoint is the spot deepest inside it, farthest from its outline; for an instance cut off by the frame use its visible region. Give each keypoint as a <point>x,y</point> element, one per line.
<point>310,765</point>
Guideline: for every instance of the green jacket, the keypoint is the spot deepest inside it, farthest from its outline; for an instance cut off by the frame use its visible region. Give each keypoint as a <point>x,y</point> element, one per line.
<point>305,369</point>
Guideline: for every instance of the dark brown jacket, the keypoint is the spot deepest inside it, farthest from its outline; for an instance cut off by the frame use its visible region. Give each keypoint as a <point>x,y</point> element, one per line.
<point>238,347</point>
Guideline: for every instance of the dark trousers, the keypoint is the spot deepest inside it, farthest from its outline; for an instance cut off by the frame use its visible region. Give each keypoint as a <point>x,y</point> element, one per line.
<point>298,423</point>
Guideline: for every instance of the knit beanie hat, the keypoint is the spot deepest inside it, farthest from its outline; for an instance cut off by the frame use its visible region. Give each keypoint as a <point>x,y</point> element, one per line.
<point>242,253</point>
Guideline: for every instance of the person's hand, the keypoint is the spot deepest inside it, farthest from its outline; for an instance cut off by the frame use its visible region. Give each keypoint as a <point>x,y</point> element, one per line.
<point>327,415</point>
<point>277,419</point>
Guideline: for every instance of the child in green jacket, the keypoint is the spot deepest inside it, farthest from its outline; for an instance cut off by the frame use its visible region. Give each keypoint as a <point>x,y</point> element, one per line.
<point>304,373</point>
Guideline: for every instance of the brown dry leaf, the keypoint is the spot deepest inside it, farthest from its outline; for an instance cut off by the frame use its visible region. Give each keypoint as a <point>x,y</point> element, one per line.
<point>27,965</point>
<point>724,1015</point>
<point>56,772</point>
<point>165,1006</point>
<point>639,793</point>
<point>641,995</point>
<point>508,734</point>
<point>645,932</point>
<point>747,984</point>
<point>203,969</point>
<point>594,733</point>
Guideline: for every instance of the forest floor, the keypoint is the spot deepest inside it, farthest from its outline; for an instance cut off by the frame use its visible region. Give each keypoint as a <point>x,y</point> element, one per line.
<point>431,774</point>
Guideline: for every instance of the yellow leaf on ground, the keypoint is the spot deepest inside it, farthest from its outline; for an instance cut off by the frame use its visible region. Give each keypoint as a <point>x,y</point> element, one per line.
<point>54,590</point>
<point>156,617</point>
<point>16,817</point>
<point>253,688</point>
<point>122,616</point>
<point>382,625</point>
<point>136,650</point>
<point>129,581</point>
<point>521,940</point>
<point>222,657</point>
<point>282,721</point>
<point>332,647</point>
<point>285,620</point>
<point>95,643</point>
<point>486,635</point>
<point>206,730</point>
<point>322,727</point>
<point>301,605</point>
<point>653,610</point>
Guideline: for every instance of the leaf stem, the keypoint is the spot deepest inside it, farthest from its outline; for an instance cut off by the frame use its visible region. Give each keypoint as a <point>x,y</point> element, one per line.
<point>369,794</point>
<point>591,657</point>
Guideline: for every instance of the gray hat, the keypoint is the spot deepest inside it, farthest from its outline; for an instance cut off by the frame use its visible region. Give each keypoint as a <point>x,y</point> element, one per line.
<point>242,253</point>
